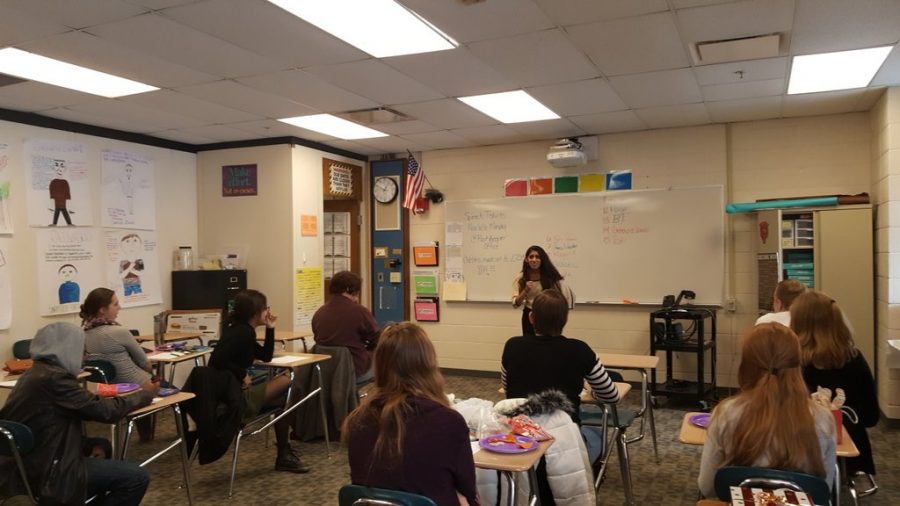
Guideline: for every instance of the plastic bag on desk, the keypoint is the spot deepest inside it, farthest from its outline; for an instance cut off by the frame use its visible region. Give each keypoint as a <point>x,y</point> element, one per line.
<point>478,413</point>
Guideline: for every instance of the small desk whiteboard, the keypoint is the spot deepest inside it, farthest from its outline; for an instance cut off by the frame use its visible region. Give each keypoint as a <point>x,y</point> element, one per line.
<point>636,245</point>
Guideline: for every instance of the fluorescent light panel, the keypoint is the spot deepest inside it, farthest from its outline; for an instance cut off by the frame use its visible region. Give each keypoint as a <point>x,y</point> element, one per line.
<point>381,28</point>
<point>333,126</point>
<point>510,107</point>
<point>34,67</point>
<point>842,70</point>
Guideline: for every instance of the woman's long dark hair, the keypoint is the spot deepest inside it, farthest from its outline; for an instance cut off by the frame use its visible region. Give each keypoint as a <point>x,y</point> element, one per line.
<point>247,304</point>
<point>550,277</point>
<point>98,299</point>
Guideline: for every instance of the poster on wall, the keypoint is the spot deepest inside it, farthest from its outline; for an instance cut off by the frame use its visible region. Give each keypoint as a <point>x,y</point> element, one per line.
<point>5,218</point>
<point>307,295</point>
<point>129,192</point>
<point>68,268</point>
<point>132,267</point>
<point>5,285</point>
<point>59,192</point>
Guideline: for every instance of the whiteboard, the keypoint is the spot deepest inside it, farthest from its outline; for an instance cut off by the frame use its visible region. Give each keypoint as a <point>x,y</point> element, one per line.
<point>635,245</point>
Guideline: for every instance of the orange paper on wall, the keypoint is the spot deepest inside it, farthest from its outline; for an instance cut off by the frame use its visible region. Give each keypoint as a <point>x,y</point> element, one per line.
<point>308,225</point>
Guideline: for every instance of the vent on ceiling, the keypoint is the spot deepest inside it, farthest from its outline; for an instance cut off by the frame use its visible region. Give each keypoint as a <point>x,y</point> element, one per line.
<point>376,116</point>
<point>734,50</point>
<point>6,80</point>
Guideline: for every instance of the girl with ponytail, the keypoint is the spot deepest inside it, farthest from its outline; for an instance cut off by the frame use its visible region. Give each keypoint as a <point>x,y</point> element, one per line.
<point>831,360</point>
<point>771,422</point>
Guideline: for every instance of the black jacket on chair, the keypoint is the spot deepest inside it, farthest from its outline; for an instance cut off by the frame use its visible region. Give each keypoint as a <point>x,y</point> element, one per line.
<point>217,410</point>
<point>338,391</point>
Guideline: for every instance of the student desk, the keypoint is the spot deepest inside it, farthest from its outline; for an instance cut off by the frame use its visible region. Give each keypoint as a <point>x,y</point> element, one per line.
<point>169,337</point>
<point>588,398</point>
<point>644,364</point>
<point>289,361</point>
<point>160,403</point>
<point>510,464</point>
<point>286,336</point>
<point>9,381</point>
<point>693,435</point>
<point>172,358</point>
<point>621,448</point>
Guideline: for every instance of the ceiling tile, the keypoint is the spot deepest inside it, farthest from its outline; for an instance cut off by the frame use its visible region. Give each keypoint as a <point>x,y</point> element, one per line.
<point>274,128</point>
<point>836,25</point>
<point>574,12</point>
<point>482,20</point>
<point>653,89</point>
<point>550,129</point>
<point>308,90</point>
<point>404,127</point>
<point>281,40</point>
<point>96,53</point>
<point>684,4</point>
<point>889,75</point>
<point>752,70</point>
<point>161,4</point>
<point>392,145</point>
<point>80,14</point>
<point>607,122</point>
<point>352,146</point>
<point>748,89</point>
<point>455,73</point>
<point>179,103</point>
<point>814,104</point>
<point>749,109</point>
<point>447,113</point>
<point>375,80</point>
<point>674,115</point>
<point>868,99</point>
<point>632,45</point>
<point>182,136</point>
<point>32,96</point>
<point>492,134</point>
<point>533,59</point>
<point>163,38</point>
<point>17,27</point>
<point>580,97</point>
<point>441,139</point>
<point>736,19</point>
<point>243,98</point>
<point>219,133</point>
<point>137,117</point>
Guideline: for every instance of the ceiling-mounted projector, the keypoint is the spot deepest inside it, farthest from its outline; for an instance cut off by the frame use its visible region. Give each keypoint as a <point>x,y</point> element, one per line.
<point>566,153</point>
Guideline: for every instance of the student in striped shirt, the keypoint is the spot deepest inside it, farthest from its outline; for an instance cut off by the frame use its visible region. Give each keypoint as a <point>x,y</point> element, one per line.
<point>549,360</point>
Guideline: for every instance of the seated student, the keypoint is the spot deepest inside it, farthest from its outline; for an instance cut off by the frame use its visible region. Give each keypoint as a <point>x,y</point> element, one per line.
<point>105,339</point>
<point>236,351</point>
<point>831,360</point>
<point>771,422</point>
<point>53,404</point>
<point>785,293</point>
<point>343,321</point>
<point>549,360</point>
<point>404,436</point>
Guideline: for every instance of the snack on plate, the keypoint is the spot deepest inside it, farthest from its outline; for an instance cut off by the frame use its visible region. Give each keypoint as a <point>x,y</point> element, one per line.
<point>525,426</point>
<point>511,439</point>
<point>746,496</point>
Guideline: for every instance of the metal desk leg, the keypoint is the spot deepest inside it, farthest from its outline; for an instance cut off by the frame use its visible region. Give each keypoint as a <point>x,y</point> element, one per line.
<point>511,482</point>
<point>533,485</point>
<point>625,468</point>
<point>837,482</point>
<point>185,460</point>
<point>649,413</point>
<point>322,408</point>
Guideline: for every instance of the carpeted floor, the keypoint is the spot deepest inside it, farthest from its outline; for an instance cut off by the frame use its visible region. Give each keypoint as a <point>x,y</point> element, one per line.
<point>672,482</point>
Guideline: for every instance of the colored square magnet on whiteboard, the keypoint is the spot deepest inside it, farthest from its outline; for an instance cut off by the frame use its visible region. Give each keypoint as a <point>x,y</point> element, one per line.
<point>516,187</point>
<point>565,184</point>
<point>541,186</point>
<point>592,183</point>
<point>618,180</point>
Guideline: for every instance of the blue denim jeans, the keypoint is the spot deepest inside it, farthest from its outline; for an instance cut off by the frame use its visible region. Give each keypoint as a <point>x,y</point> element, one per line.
<point>125,482</point>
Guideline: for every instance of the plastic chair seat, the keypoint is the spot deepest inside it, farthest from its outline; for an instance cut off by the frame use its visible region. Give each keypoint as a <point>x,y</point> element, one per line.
<point>19,442</point>
<point>22,349</point>
<point>593,415</point>
<point>741,476</point>
<point>358,495</point>
<point>101,370</point>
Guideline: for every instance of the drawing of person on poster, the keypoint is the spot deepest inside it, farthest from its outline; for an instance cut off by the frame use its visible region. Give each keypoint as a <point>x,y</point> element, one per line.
<point>127,184</point>
<point>131,264</point>
<point>128,198</point>
<point>5,218</point>
<point>60,193</point>
<point>69,291</point>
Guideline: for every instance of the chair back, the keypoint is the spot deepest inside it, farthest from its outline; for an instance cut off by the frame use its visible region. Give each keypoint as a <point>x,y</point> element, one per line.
<point>358,495</point>
<point>18,435</point>
<point>101,370</point>
<point>22,349</point>
<point>615,376</point>
<point>760,477</point>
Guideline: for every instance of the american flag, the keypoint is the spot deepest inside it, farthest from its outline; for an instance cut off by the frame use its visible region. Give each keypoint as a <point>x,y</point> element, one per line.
<point>415,180</point>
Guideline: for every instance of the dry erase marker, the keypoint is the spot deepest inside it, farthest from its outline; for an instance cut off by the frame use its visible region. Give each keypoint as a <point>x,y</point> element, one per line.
<point>628,301</point>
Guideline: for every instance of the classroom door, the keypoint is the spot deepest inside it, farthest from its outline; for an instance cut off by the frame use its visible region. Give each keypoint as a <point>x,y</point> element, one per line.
<point>390,241</point>
<point>343,208</point>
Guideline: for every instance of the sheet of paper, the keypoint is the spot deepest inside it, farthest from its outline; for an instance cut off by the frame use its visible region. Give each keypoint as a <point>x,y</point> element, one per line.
<point>165,356</point>
<point>454,290</point>
<point>475,447</point>
<point>9,383</point>
<point>341,264</point>
<point>341,246</point>
<point>341,223</point>
<point>287,359</point>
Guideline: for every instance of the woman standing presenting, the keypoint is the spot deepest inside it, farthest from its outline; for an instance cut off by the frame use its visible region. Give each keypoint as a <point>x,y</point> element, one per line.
<point>538,273</point>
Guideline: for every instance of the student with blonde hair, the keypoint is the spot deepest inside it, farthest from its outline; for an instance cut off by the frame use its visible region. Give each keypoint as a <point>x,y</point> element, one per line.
<point>831,360</point>
<point>785,293</point>
<point>771,422</point>
<point>405,436</point>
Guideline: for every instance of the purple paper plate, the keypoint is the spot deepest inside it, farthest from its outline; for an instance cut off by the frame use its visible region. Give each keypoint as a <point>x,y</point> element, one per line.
<point>124,388</point>
<point>165,391</point>
<point>700,420</point>
<point>505,447</point>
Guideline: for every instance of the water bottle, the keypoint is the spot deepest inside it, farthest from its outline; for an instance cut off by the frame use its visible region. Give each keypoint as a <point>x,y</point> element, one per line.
<point>159,329</point>
<point>184,259</point>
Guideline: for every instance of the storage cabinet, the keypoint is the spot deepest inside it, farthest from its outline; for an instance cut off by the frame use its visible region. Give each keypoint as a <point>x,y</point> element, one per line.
<point>829,249</point>
<point>207,289</point>
<point>689,330</point>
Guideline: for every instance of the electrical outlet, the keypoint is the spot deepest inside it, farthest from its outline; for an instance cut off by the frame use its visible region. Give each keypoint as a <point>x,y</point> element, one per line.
<point>731,304</point>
